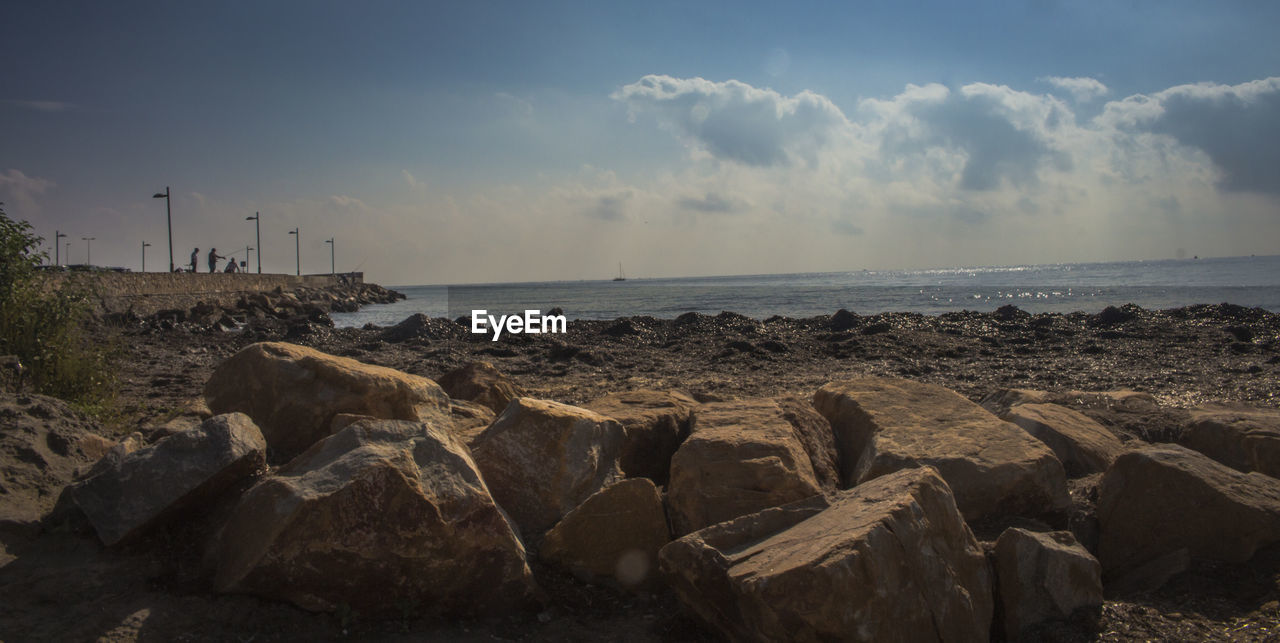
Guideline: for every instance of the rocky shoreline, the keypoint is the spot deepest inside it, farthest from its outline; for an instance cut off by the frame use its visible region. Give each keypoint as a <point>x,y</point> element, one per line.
<point>1085,402</point>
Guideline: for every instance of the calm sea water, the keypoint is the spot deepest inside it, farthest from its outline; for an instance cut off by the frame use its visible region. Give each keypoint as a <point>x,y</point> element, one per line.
<point>1089,287</point>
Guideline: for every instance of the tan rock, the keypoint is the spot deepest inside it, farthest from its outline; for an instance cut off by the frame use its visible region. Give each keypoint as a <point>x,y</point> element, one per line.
<point>655,422</point>
<point>470,419</point>
<point>612,536</point>
<point>993,467</point>
<point>890,560</point>
<point>1001,401</point>
<point>542,458</point>
<point>1242,437</point>
<point>1081,444</point>
<point>1162,498</point>
<point>814,432</point>
<point>293,392</point>
<point>1044,577</point>
<point>133,491</point>
<point>743,456</point>
<point>1117,400</point>
<point>482,383</point>
<point>380,515</point>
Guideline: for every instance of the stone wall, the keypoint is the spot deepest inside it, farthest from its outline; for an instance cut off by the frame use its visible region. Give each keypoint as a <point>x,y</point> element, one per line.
<point>150,292</point>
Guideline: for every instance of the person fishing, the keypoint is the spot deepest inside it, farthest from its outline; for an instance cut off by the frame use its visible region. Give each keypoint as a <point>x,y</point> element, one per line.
<point>213,259</point>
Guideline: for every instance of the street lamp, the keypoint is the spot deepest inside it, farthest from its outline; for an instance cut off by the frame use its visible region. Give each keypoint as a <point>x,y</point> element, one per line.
<point>88,250</point>
<point>145,245</point>
<point>257,226</point>
<point>331,246</point>
<point>297,250</point>
<point>57,259</point>
<point>168,217</point>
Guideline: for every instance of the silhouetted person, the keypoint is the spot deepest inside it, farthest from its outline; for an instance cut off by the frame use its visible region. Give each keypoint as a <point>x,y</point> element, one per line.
<point>213,259</point>
<point>195,259</point>
<point>231,266</point>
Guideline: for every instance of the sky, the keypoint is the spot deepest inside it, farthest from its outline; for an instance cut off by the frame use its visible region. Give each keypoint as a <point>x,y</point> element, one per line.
<point>486,141</point>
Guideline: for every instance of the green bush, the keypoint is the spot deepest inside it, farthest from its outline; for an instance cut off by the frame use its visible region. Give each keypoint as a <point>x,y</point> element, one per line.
<point>45,326</point>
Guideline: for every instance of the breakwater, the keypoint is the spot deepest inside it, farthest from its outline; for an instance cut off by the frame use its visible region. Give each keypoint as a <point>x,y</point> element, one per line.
<point>145,294</point>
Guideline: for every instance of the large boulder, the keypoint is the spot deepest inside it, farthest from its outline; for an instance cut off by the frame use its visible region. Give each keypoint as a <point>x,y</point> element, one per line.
<point>1242,437</point>
<point>380,515</point>
<point>1163,498</point>
<point>1082,445</point>
<point>613,536</point>
<point>482,383</point>
<point>137,488</point>
<point>1043,577</point>
<point>293,392</point>
<point>542,458</point>
<point>891,560</point>
<point>743,456</point>
<point>993,467</point>
<point>655,422</point>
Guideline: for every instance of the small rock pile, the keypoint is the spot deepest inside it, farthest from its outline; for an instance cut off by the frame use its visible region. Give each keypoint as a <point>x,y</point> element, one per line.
<point>882,509</point>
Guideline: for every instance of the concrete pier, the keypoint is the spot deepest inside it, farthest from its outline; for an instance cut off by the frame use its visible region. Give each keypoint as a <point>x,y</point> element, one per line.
<point>145,293</point>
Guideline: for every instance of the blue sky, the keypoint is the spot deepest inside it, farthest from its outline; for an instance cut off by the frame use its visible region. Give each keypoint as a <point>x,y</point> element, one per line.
<point>485,141</point>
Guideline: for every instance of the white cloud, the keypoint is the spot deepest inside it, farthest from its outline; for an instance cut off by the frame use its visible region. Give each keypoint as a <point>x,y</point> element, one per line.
<point>414,183</point>
<point>1082,89</point>
<point>1235,126</point>
<point>710,202</point>
<point>520,107</point>
<point>734,121</point>
<point>18,192</point>
<point>983,136</point>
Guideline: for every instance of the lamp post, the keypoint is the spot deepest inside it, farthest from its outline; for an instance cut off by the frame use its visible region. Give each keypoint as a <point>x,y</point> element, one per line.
<point>331,264</point>
<point>257,227</point>
<point>88,250</point>
<point>297,250</point>
<point>145,245</point>
<point>57,259</point>
<point>168,217</point>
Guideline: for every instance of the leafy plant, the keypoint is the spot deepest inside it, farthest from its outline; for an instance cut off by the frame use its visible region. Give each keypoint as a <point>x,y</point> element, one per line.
<point>44,324</point>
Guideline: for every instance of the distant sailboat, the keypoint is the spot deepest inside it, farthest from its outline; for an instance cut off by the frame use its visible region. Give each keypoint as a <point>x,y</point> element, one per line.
<point>620,276</point>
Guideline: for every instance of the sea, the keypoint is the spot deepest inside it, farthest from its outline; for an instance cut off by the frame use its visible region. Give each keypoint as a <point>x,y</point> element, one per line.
<point>1067,287</point>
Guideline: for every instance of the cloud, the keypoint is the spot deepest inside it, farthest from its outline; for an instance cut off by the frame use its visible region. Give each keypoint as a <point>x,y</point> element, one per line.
<point>734,121</point>
<point>711,202</point>
<point>991,133</point>
<point>846,227</point>
<point>520,107</point>
<point>609,207</point>
<point>348,203</point>
<point>19,191</point>
<point>414,183</point>
<point>1082,89</point>
<point>1236,126</point>
<point>39,105</point>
